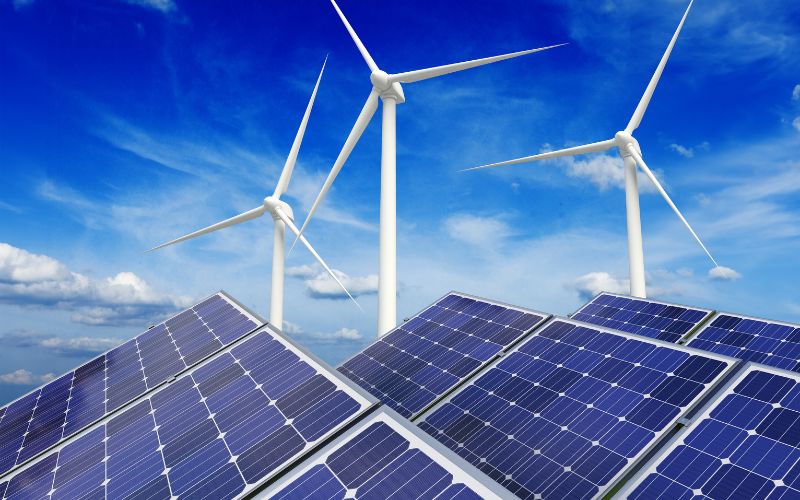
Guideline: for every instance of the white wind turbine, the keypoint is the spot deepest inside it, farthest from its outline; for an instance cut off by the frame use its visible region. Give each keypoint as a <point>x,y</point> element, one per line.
<point>387,87</point>
<point>282,216</point>
<point>628,148</point>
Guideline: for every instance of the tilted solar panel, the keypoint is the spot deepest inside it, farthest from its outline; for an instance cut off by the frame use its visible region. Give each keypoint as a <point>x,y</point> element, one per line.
<point>217,431</point>
<point>762,341</point>
<point>651,318</point>
<point>61,408</point>
<point>385,456</point>
<point>744,444</point>
<point>565,413</point>
<point>415,364</point>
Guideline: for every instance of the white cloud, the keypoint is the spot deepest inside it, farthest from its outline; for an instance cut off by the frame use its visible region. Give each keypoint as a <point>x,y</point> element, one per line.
<point>682,150</point>
<point>29,279</point>
<point>591,284</point>
<point>722,273</point>
<point>9,207</point>
<point>482,232</point>
<point>24,377</point>
<point>81,346</point>
<point>796,93</point>
<point>165,6</point>
<point>322,286</point>
<point>604,171</point>
<point>796,123</point>
<point>343,333</point>
<point>304,271</point>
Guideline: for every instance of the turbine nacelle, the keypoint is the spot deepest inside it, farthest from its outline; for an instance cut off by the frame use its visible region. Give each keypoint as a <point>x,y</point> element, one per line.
<point>273,204</point>
<point>383,84</point>
<point>622,139</point>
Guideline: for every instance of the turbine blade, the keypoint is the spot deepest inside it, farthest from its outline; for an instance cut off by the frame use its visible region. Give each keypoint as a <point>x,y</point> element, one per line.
<point>649,174</point>
<point>368,58</point>
<point>286,220</point>
<point>595,147</point>
<point>246,216</point>
<point>355,134</point>
<point>424,74</point>
<point>636,119</point>
<point>288,167</point>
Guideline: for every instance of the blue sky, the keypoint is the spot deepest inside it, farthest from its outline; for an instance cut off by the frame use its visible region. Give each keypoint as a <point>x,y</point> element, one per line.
<point>124,124</point>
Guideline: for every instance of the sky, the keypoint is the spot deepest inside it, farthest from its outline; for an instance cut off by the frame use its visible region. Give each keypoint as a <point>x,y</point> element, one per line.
<point>127,123</point>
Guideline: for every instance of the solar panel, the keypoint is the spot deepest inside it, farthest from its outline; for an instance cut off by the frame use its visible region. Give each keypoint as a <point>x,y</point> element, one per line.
<point>418,362</point>
<point>744,444</point>
<point>218,430</point>
<point>61,408</point>
<point>769,342</point>
<point>565,413</point>
<point>651,318</point>
<point>385,456</point>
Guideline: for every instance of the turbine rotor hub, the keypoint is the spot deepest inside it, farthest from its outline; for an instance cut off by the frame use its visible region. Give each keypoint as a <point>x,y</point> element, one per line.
<point>623,138</point>
<point>272,204</point>
<point>386,88</point>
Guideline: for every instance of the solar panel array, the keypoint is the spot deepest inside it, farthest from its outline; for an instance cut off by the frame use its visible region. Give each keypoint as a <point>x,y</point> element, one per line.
<point>383,457</point>
<point>768,342</point>
<point>415,364</point>
<point>566,412</point>
<point>746,444</point>
<point>216,431</point>
<point>63,407</point>
<point>657,320</point>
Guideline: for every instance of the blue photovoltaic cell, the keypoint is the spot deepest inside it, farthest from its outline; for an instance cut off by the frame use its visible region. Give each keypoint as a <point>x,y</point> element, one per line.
<point>70,403</point>
<point>422,359</point>
<point>380,459</point>
<point>657,320</point>
<point>745,445</point>
<point>214,432</point>
<point>566,412</point>
<point>768,342</point>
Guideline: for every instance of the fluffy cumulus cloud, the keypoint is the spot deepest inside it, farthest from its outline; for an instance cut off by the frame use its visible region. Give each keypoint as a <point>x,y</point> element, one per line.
<point>604,171</point>
<point>721,273</point>
<point>682,150</point>
<point>482,232</point>
<point>796,93</point>
<point>24,377</point>
<point>320,285</point>
<point>81,346</point>
<point>591,284</point>
<point>343,333</point>
<point>796,123</point>
<point>28,279</point>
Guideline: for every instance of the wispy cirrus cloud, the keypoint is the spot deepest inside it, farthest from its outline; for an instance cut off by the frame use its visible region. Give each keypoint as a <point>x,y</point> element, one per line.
<point>77,346</point>
<point>164,6</point>
<point>34,280</point>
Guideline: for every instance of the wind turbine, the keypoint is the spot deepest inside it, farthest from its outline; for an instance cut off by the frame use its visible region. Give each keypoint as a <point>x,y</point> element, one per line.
<point>282,216</point>
<point>631,153</point>
<point>387,87</point>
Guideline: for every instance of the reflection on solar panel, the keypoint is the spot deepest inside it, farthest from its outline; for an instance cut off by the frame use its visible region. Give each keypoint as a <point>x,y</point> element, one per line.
<point>657,320</point>
<point>68,404</point>
<point>768,342</point>
<point>745,444</point>
<point>419,361</point>
<point>566,412</point>
<point>385,457</point>
<point>216,431</point>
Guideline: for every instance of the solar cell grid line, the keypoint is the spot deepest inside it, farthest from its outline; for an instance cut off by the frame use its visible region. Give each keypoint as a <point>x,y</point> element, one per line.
<point>650,318</point>
<point>745,443</point>
<point>567,412</point>
<point>773,343</point>
<point>59,409</point>
<point>218,430</point>
<point>421,360</point>
<point>384,456</point>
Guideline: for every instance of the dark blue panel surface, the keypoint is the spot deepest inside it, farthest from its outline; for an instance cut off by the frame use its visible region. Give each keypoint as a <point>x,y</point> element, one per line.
<point>70,403</point>
<point>657,320</point>
<point>215,431</point>
<point>422,359</point>
<point>566,412</point>
<point>766,342</point>
<point>381,459</point>
<point>745,445</point>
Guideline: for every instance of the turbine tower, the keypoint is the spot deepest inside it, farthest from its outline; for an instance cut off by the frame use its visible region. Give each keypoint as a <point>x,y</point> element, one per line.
<point>282,216</point>
<point>387,87</point>
<point>628,148</point>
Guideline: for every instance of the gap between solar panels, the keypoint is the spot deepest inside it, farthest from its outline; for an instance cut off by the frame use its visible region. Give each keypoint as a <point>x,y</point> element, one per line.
<point>745,443</point>
<point>568,411</point>
<point>220,429</point>
<point>650,318</point>
<point>35,423</point>
<point>425,358</point>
